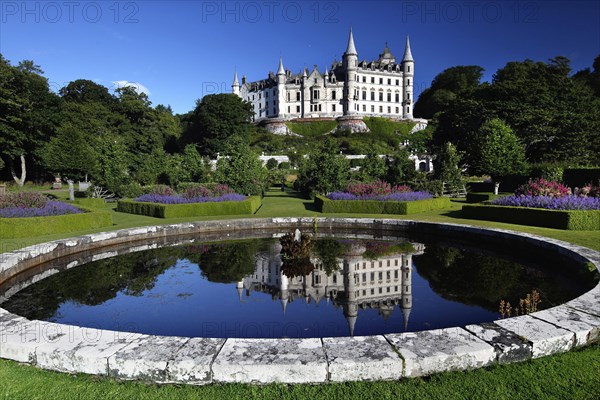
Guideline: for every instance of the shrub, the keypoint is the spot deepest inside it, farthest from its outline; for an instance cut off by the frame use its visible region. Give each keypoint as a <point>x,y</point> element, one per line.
<point>215,190</point>
<point>377,188</point>
<point>558,219</point>
<point>176,199</point>
<point>588,190</point>
<point>285,165</point>
<point>248,206</point>
<point>271,164</point>
<point>23,200</point>
<point>48,209</point>
<point>550,202</point>
<point>325,205</point>
<point>37,226</point>
<point>542,187</point>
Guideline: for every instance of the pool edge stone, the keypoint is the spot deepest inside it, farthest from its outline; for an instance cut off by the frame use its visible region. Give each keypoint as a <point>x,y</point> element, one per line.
<point>172,359</point>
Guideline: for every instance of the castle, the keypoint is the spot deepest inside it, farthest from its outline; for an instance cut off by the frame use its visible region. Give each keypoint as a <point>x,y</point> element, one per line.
<point>358,283</point>
<point>353,88</point>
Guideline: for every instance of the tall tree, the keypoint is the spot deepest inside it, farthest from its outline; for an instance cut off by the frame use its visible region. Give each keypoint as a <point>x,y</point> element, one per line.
<point>324,170</point>
<point>69,153</point>
<point>241,168</point>
<point>216,118</point>
<point>500,152</point>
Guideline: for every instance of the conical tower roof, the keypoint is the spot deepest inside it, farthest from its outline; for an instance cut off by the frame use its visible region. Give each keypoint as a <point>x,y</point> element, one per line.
<point>351,49</point>
<point>281,70</point>
<point>235,79</point>
<point>407,54</point>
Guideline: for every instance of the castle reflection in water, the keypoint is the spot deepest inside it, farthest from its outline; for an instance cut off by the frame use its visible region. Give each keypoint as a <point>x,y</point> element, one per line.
<point>357,283</point>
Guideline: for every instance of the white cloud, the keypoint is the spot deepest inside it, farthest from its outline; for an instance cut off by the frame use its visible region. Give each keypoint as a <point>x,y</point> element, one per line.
<point>136,85</point>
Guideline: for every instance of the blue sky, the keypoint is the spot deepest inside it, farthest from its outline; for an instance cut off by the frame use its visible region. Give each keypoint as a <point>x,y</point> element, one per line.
<point>181,50</point>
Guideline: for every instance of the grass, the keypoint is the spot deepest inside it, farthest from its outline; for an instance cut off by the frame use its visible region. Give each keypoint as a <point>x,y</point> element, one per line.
<point>386,126</point>
<point>573,375</point>
<point>311,129</point>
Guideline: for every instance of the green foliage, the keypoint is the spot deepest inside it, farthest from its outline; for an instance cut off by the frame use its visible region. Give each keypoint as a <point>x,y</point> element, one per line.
<point>271,164</point>
<point>229,263</point>
<point>499,151</point>
<point>312,128</point>
<point>112,162</point>
<point>69,153</point>
<point>401,169</point>
<point>583,220</point>
<point>216,119</point>
<point>91,202</point>
<point>447,167</point>
<point>379,125</point>
<point>324,205</point>
<point>373,168</point>
<point>241,169</point>
<point>37,226</point>
<point>446,87</point>
<point>248,206</point>
<point>324,170</point>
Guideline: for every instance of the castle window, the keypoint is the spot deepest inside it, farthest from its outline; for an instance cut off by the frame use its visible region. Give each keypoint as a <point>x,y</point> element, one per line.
<point>319,107</point>
<point>408,68</point>
<point>408,96</point>
<point>389,81</point>
<point>389,97</point>
<point>388,274</point>
<point>396,271</point>
<point>397,97</point>
<point>364,95</point>
<point>396,113</point>
<point>364,108</point>
<point>289,109</point>
<point>333,108</point>
<point>298,109</point>
<point>372,95</point>
<point>267,93</point>
<point>389,110</point>
<point>397,82</point>
<point>357,78</point>
<point>372,79</point>
<point>380,109</point>
<point>407,109</point>
<point>380,96</point>
<point>408,81</point>
<point>372,276</point>
<point>364,79</point>
<point>381,81</point>
<point>297,96</point>
<point>315,95</point>
<point>333,94</point>
<point>288,96</point>
<point>372,109</point>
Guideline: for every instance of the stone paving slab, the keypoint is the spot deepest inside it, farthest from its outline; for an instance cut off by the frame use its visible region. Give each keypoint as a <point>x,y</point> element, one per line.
<point>509,346</point>
<point>545,338</point>
<point>585,326</point>
<point>81,349</point>
<point>193,362</point>
<point>146,358</point>
<point>438,350</point>
<point>19,338</point>
<point>588,303</point>
<point>362,358</point>
<point>271,360</point>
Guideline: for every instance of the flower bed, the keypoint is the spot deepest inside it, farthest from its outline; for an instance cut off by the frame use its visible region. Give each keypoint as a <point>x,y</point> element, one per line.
<point>176,199</point>
<point>543,203</point>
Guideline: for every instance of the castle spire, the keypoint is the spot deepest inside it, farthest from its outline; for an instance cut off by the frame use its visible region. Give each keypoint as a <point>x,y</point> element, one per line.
<point>351,49</point>
<point>407,54</point>
<point>235,79</point>
<point>281,70</point>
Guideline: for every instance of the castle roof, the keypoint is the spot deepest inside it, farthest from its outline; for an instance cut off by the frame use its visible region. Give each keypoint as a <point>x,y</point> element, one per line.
<point>351,49</point>
<point>407,54</point>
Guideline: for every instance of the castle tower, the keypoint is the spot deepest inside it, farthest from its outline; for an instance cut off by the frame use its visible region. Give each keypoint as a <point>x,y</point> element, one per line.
<point>235,87</point>
<point>350,61</point>
<point>351,305</point>
<point>240,289</point>
<point>281,89</point>
<point>406,291</point>
<point>408,69</point>
<point>284,289</point>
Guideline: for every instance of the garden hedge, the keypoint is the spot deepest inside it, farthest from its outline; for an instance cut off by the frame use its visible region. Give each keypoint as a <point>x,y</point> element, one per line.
<point>90,202</point>
<point>248,206</point>
<point>11,228</point>
<point>578,220</point>
<point>324,205</point>
<point>480,197</point>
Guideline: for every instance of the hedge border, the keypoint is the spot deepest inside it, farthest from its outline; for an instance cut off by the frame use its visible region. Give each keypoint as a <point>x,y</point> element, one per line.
<point>325,205</point>
<point>576,220</point>
<point>92,202</point>
<point>157,210</point>
<point>13,228</point>
<point>480,197</point>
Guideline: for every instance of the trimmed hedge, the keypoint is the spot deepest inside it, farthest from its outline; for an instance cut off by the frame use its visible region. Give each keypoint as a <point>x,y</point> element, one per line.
<point>11,228</point>
<point>90,202</point>
<point>324,205</point>
<point>480,197</point>
<point>248,206</point>
<point>577,220</point>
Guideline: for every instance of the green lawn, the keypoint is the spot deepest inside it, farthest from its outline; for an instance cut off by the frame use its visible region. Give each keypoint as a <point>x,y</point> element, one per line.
<point>574,375</point>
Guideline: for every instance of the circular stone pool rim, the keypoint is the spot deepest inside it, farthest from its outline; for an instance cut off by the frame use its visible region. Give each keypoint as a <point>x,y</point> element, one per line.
<point>199,361</point>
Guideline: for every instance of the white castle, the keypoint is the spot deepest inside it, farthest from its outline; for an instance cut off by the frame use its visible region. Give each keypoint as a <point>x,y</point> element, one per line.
<point>381,88</point>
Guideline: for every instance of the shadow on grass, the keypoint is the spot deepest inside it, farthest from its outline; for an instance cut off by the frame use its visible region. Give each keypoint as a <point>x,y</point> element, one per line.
<point>310,206</point>
<point>454,214</point>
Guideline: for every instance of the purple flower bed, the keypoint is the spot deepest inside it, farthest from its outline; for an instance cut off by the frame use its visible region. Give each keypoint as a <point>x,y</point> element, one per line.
<point>176,199</point>
<point>49,208</point>
<point>400,196</point>
<point>549,202</point>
